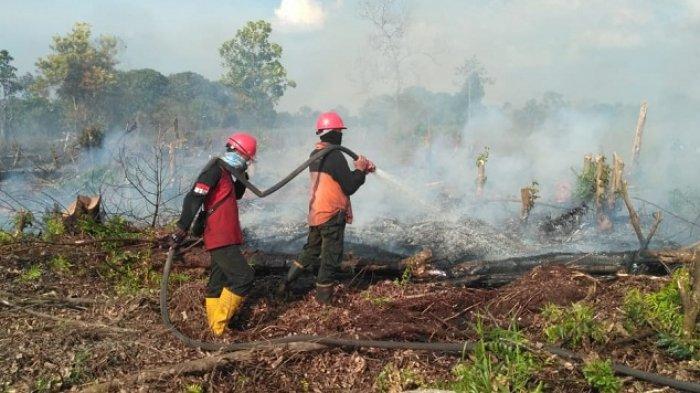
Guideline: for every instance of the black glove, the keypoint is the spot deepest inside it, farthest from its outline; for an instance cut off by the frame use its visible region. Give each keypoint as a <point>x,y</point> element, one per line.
<point>177,237</point>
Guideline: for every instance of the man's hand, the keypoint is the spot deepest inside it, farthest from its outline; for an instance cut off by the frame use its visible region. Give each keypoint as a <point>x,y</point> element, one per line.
<point>177,237</point>
<point>364,165</point>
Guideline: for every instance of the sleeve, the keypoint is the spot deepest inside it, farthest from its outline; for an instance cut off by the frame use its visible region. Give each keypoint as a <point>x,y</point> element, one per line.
<point>239,187</point>
<point>336,165</point>
<point>195,197</point>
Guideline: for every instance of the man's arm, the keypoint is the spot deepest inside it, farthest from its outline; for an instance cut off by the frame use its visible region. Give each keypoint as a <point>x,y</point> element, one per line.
<point>195,197</point>
<point>336,165</point>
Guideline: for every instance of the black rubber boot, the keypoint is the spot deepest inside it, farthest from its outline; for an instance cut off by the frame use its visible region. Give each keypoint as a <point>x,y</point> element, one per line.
<point>324,293</point>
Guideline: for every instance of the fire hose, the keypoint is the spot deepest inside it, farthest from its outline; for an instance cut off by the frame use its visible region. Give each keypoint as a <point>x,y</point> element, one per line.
<point>447,347</point>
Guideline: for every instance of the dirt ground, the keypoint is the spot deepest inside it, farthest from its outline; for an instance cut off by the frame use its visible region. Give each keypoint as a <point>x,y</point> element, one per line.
<point>72,326</point>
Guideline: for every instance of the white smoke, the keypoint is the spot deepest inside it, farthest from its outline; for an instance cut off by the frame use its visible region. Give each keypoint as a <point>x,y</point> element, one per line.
<point>302,14</point>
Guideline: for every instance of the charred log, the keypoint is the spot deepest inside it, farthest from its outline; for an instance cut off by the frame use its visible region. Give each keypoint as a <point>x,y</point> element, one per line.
<point>566,223</point>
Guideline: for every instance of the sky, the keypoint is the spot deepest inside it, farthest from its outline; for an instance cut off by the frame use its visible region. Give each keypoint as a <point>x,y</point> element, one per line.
<point>597,50</point>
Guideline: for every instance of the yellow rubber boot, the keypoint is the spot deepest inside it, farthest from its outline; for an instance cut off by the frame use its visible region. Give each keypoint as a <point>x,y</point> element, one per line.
<point>211,304</point>
<point>229,303</point>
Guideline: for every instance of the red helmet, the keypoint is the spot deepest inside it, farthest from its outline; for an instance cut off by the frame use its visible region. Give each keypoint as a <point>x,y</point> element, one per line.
<point>243,143</point>
<point>329,121</point>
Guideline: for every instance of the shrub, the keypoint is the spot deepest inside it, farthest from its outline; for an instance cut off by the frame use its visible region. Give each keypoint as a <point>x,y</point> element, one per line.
<point>662,312</point>
<point>572,325</point>
<point>53,226</point>
<point>500,363</point>
<point>599,374</point>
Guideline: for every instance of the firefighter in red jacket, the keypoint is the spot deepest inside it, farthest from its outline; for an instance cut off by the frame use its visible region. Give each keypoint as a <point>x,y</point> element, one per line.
<point>231,277</point>
<point>332,183</point>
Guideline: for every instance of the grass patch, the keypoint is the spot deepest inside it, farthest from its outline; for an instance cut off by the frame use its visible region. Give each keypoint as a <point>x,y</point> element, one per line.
<point>60,264</point>
<point>662,311</point>
<point>572,326</point>
<point>193,388</point>
<point>53,226</point>
<point>500,363</point>
<point>599,374</point>
<point>393,379</point>
<point>33,273</point>
<point>378,301</point>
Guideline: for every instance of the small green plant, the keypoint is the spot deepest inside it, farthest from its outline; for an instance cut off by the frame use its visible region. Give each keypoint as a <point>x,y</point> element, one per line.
<point>662,312</point>
<point>483,157</point>
<point>59,263</point>
<point>80,371</point>
<point>378,301</point>
<point>33,273</point>
<point>178,278</point>
<point>53,226</point>
<point>405,277</point>
<point>599,374</point>
<point>500,363</point>
<point>44,384</point>
<point>393,379</point>
<point>193,388</point>
<point>5,237</point>
<point>573,325</point>
<point>21,221</point>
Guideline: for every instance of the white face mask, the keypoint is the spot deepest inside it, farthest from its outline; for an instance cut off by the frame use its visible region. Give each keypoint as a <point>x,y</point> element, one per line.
<point>235,160</point>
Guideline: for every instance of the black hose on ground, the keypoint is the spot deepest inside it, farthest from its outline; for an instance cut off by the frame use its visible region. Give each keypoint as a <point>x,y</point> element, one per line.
<point>447,347</point>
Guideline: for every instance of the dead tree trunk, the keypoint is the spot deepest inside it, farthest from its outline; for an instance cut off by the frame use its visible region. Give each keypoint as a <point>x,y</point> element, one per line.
<point>634,217</point>
<point>604,223</point>
<point>637,147</point>
<point>615,182</point>
<point>689,288</point>
<point>480,178</point>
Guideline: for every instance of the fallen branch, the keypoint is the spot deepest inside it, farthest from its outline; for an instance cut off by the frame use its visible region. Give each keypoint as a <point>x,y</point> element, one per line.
<point>73,322</point>
<point>198,366</point>
<point>654,227</point>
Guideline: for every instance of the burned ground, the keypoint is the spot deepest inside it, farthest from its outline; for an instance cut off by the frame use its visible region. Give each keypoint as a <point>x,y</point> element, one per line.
<point>70,325</point>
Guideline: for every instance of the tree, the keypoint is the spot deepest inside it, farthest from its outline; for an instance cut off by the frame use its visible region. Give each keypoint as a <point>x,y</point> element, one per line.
<point>9,85</point>
<point>473,77</point>
<point>254,71</point>
<point>78,70</point>
<point>389,18</point>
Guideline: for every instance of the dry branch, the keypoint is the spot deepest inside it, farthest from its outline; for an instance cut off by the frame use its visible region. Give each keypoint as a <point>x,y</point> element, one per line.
<point>634,217</point>
<point>198,366</point>
<point>641,120</point>
<point>80,324</point>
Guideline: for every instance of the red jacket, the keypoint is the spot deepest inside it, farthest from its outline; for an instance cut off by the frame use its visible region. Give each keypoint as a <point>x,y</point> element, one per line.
<point>223,226</point>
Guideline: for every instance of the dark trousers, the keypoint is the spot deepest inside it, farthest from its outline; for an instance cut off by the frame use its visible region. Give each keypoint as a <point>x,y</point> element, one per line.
<point>229,269</point>
<point>324,248</point>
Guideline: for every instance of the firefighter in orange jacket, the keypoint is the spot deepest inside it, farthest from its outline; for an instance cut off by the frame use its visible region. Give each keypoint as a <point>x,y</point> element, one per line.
<point>332,183</point>
<point>216,193</point>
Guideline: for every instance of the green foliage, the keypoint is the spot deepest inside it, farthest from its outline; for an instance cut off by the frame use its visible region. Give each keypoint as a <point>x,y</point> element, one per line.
<point>5,237</point>
<point>44,385</point>
<point>53,226</point>
<point>193,388</point>
<point>91,136</point>
<point>80,371</point>
<point>116,227</point>
<point>500,363</point>
<point>573,325</point>
<point>8,75</point>
<point>483,157</point>
<point>179,278</point>
<point>584,190</point>
<point>599,374</point>
<point>662,311</point>
<point>254,71</point>
<point>78,68</point>
<point>59,263</point>
<point>21,220</point>
<point>679,347</point>
<point>33,273</point>
<point>405,277</point>
<point>378,301</point>
<point>392,379</point>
